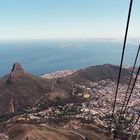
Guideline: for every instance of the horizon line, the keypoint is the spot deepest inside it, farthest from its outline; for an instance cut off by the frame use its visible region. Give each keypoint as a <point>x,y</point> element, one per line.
<point>64,38</point>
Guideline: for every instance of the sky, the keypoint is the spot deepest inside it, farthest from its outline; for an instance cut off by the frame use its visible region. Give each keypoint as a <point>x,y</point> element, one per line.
<point>43,19</point>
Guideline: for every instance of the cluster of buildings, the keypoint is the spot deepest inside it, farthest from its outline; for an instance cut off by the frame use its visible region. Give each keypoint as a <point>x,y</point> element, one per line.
<point>96,106</point>
<point>58,74</point>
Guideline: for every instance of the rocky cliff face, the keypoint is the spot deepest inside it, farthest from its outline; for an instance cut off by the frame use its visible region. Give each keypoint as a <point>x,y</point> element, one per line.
<point>17,68</point>
<point>16,71</point>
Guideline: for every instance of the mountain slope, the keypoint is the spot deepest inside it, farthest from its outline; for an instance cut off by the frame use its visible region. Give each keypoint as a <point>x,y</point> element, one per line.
<point>98,73</point>
<point>19,89</point>
<point>38,132</point>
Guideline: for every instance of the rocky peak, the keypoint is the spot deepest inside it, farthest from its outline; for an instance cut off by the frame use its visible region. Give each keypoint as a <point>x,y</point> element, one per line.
<point>16,70</point>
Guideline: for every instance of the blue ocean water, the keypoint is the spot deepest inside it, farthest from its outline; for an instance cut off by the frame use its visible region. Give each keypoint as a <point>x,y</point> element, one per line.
<point>42,56</point>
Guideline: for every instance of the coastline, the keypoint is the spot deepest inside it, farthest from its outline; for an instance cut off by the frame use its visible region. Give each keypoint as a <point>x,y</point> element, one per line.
<point>58,74</point>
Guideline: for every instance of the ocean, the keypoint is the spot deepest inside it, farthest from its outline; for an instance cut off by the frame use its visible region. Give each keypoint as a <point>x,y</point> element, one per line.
<point>44,56</point>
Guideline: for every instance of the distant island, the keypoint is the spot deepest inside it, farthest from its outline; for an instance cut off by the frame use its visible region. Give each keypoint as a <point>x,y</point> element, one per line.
<point>71,46</point>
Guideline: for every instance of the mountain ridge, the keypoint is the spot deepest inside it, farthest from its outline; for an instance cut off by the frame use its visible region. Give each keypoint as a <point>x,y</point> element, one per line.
<point>20,89</point>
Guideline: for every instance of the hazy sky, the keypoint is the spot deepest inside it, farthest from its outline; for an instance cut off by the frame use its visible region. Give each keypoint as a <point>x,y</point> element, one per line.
<point>31,19</point>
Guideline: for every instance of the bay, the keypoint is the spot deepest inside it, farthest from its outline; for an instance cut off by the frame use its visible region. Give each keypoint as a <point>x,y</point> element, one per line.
<point>44,56</point>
